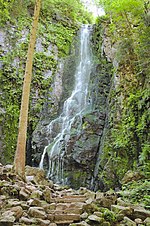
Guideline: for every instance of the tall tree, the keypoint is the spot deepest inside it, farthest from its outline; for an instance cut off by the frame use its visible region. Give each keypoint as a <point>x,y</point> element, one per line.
<point>19,161</point>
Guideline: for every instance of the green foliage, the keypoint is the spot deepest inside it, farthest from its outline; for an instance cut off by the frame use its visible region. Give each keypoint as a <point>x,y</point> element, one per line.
<point>109,215</point>
<point>137,192</point>
<point>120,6</point>
<point>73,11</point>
<point>5,7</point>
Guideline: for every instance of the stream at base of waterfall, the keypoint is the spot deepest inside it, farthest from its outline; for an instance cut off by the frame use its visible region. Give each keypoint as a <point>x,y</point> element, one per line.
<point>72,112</point>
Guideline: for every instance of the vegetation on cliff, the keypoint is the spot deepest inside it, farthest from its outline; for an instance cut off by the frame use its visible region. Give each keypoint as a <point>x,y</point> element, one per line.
<point>126,26</point>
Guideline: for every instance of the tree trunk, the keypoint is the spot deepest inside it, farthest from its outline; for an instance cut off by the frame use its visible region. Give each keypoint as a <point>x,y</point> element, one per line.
<point>19,161</point>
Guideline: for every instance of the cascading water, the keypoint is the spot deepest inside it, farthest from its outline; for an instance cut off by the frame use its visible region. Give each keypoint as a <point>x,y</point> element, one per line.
<point>72,112</point>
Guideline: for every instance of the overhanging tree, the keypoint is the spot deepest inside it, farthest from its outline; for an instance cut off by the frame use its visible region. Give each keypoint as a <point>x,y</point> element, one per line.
<point>19,161</point>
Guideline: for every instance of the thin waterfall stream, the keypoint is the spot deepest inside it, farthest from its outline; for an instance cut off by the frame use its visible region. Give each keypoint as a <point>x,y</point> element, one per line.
<point>72,112</point>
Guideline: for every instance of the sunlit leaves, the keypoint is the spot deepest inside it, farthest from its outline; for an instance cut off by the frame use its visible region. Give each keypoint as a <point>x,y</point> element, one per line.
<point>118,6</point>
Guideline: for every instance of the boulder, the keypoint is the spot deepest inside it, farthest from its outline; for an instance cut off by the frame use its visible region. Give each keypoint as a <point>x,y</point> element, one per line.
<point>49,207</point>
<point>24,194</point>
<point>90,195</point>
<point>82,223</point>
<point>33,171</point>
<point>36,194</point>
<point>99,195</point>
<point>34,202</point>
<point>131,176</point>
<point>95,218</point>
<point>126,211</point>
<point>18,211</point>
<point>147,221</point>
<point>7,221</point>
<point>47,195</point>
<point>106,200</point>
<point>7,213</point>
<point>82,190</point>
<point>37,212</point>
<point>141,213</point>
<point>98,214</point>
<point>84,215</point>
<point>138,221</point>
<point>42,222</point>
<point>14,202</point>
<point>27,221</point>
<point>7,218</point>
<point>129,222</point>
<point>37,176</point>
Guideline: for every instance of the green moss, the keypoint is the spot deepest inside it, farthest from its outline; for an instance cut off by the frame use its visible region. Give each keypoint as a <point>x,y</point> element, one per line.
<point>109,216</point>
<point>126,142</point>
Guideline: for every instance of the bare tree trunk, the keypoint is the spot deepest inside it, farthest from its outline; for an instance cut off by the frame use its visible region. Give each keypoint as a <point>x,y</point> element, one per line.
<point>19,161</point>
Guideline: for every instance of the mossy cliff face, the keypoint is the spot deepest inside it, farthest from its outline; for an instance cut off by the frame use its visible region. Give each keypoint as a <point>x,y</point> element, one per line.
<point>126,140</point>
<point>81,151</point>
<point>58,26</point>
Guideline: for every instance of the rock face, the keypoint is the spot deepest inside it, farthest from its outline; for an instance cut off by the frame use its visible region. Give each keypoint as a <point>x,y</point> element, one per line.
<point>81,151</point>
<point>63,207</point>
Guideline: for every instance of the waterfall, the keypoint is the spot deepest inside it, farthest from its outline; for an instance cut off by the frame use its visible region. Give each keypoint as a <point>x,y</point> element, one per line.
<point>72,111</point>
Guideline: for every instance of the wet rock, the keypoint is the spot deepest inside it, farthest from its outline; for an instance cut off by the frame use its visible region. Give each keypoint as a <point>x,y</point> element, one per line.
<point>49,207</point>
<point>18,211</point>
<point>24,194</point>
<point>98,214</point>
<point>84,215</point>
<point>126,211</point>
<point>37,212</point>
<point>141,213</point>
<point>129,222</point>
<point>83,223</point>
<point>33,171</point>
<point>38,176</point>
<point>82,190</point>
<point>24,206</point>
<point>36,194</point>
<point>107,201</point>
<point>7,221</point>
<point>138,221</point>
<point>42,222</point>
<point>99,195</point>
<point>47,195</point>
<point>34,202</point>
<point>31,188</point>
<point>89,201</point>
<point>7,213</point>
<point>27,221</point>
<point>147,221</point>
<point>90,195</point>
<point>95,218</point>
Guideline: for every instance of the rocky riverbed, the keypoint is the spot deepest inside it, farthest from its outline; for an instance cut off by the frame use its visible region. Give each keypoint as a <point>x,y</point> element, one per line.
<point>40,202</point>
